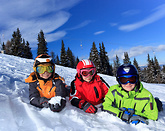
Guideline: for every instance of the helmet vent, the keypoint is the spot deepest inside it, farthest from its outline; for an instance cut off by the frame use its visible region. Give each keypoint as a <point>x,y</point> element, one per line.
<point>86,62</point>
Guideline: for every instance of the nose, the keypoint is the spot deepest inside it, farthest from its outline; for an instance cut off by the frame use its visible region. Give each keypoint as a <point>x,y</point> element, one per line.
<point>128,82</point>
<point>45,72</point>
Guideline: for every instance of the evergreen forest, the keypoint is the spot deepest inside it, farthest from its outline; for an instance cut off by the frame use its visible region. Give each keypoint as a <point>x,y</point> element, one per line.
<point>151,73</point>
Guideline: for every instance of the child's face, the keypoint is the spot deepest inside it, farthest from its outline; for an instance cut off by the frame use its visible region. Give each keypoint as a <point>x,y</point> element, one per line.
<point>87,79</point>
<point>45,75</point>
<point>128,86</point>
<point>87,74</point>
<point>45,70</point>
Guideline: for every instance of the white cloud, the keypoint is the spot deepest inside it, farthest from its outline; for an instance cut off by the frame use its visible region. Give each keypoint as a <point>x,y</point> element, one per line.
<point>98,32</point>
<point>158,14</point>
<point>135,51</point>
<point>55,36</point>
<point>113,24</point>
<point>84,23</point>
<point>30,17</point>
<point>130,12</point>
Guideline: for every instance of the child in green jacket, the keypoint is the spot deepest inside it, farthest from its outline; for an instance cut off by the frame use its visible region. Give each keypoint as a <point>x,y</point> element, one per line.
<point>129,100</point>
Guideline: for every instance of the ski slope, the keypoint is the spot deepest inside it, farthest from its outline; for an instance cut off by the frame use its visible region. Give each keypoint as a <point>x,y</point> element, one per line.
<point>16,114</point>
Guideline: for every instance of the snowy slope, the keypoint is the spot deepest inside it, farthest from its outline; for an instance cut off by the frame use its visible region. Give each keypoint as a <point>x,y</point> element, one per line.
<point>16,114</point>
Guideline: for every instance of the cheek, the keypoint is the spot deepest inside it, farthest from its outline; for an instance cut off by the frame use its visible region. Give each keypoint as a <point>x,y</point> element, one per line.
<point>41,75</point>
<point>87,78</point>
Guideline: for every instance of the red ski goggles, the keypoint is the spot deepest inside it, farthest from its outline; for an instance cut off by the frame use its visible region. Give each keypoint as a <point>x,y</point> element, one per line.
<point>43,68</point>
<point>87,72</point>
<point>128,79</point>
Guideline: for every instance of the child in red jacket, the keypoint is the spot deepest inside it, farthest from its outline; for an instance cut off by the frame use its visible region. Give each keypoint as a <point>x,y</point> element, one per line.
<point>87,89</point>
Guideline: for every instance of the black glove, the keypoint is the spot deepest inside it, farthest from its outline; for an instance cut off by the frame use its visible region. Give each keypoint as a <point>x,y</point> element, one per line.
<point>57,107</point>
<point>44,102</point>
<point>89,108</point>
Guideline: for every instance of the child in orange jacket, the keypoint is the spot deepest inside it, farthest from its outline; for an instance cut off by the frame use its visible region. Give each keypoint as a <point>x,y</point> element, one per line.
<point>46,88</point>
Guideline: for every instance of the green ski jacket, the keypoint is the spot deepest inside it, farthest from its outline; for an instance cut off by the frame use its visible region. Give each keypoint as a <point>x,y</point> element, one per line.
<point>141,100</point>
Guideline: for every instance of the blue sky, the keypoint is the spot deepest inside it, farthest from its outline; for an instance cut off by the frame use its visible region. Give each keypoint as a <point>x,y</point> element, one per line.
<point>136,27</point>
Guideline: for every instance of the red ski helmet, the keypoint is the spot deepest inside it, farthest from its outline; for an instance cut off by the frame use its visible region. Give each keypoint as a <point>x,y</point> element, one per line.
<point>84,64</point>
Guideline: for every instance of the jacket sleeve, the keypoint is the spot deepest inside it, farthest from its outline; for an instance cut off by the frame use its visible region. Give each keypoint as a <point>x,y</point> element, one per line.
<point>109,104</point>
<point>34,95</point>
<point>75,97</point>
<point>60,88</point>
<point>150,111</point>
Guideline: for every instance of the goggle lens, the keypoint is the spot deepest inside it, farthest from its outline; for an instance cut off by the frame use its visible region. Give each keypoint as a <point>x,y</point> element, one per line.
<point>86,72</point>
<point>128,79</point>
<point>42,69</point>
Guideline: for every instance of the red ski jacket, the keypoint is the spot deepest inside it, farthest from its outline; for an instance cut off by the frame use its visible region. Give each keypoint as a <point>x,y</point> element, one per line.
<point>92,92</point>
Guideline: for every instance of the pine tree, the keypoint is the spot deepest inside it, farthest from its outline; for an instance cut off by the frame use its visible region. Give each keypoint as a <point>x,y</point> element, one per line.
<point>57,60</point>
<point>42,44</point>
<point>28,53</point>
<point>53,56</point>
<point>101,58</point>
<point>70,58</point>
<point>21,52</point>
<point>126,59</point>
<point>76,61</point>
<point>135,63</point>
<point>94,57</point>
<point>116,65</point>
<point>3,46</point>
<point>63,56</point>
<point>106,68</point>
<point>149,76</point>
<point>16,46</point>
<point>163,69</point>
<point>158,76</point>
<point>163,74</point>
<point>8,48</point>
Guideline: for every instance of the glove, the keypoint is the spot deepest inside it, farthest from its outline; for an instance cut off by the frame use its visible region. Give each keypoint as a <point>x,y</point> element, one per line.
<point>44,102</point>
<point>135,119</point>
<point>89,108</point>
<point>126,114</point>
<point>57,107</point>
<point>81,104</point>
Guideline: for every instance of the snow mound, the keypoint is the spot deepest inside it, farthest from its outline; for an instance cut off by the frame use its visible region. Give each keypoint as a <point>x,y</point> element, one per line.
<point>17,114</point>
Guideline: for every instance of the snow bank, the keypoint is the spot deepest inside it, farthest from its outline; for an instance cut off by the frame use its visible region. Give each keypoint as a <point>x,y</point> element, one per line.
<point>17,114</point>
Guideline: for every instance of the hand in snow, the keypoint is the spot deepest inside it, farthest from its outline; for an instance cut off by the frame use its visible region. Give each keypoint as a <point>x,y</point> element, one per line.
<point>44,102</point>
<point>128,116</point>
<point>89,108</point>
<point>135,119</point>
<point>58,106</point>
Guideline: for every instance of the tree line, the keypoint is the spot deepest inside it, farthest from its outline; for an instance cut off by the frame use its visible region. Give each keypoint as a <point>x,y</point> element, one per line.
<point>17,46</point>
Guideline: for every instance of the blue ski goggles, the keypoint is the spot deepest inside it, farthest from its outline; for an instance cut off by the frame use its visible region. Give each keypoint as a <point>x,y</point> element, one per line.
<point>128,79</point>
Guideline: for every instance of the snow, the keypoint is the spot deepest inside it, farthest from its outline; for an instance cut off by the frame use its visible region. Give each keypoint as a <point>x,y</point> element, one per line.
<point>16,114</point>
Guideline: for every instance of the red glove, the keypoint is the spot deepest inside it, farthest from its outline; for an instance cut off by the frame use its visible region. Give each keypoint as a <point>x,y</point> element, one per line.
<point>81,104</point>
<point>89,108</point>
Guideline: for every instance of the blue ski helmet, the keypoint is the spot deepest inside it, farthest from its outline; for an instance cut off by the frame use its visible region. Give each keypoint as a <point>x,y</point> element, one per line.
<point>126,69</point>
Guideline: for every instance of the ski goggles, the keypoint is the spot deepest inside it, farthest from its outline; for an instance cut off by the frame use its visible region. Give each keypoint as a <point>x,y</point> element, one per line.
<point>41,69</point>
<point>87,72</point>
<point>128,79</point>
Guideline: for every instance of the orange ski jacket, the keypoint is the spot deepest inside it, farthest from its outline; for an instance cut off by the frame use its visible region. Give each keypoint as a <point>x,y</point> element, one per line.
<point>39,88</point>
